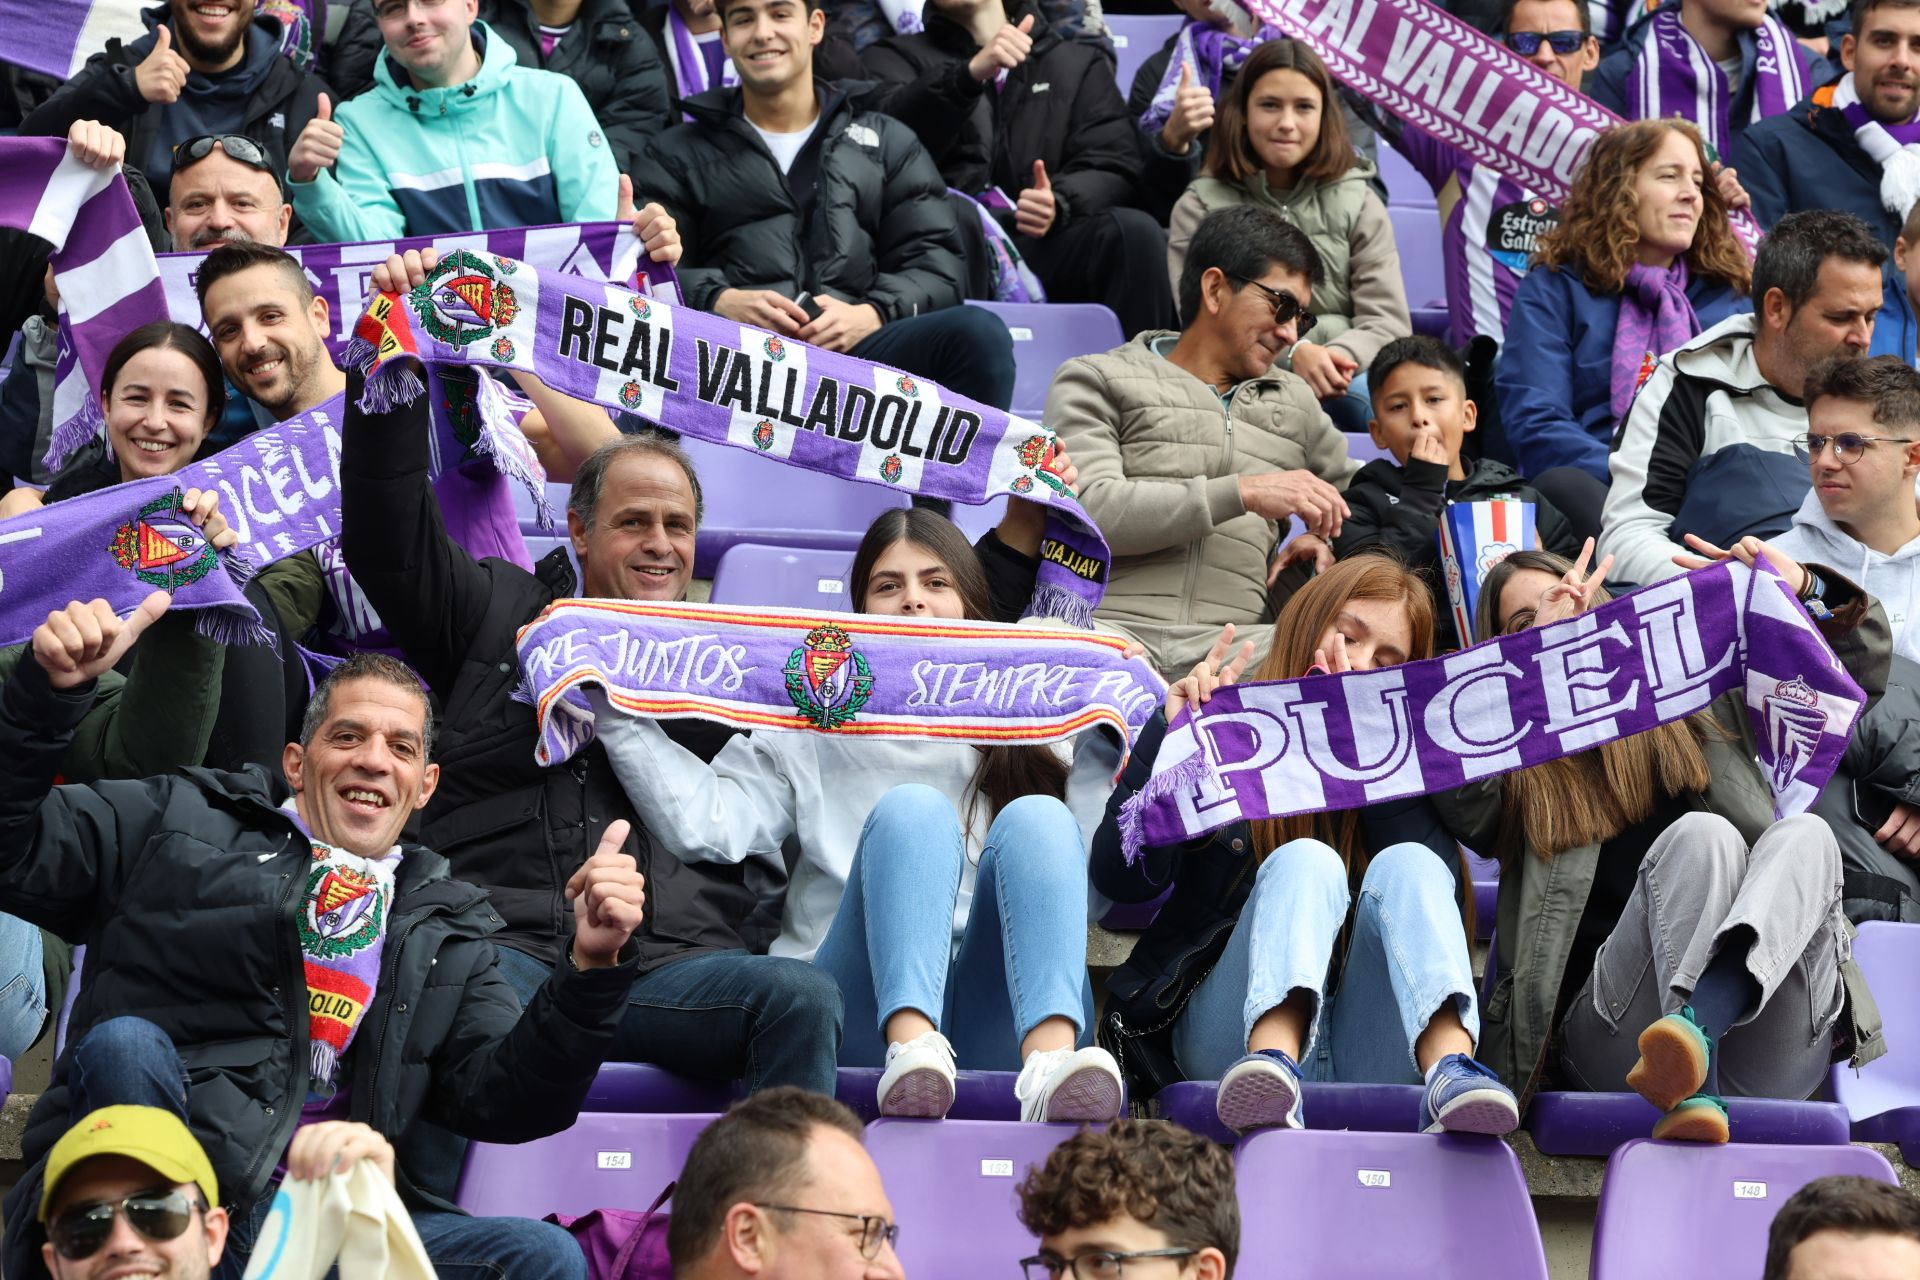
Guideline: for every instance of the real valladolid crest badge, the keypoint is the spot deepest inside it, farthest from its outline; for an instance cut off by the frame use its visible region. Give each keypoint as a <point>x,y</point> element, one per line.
<point>463,299</point>
<point>161,547</point>
<point>827,678</point>
<point>1794,725</point>
<point>1038,453</point>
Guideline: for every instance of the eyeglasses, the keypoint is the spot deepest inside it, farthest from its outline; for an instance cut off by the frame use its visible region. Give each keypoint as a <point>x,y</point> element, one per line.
<point>238,146</point>
<point>873,1227</point>
<point>1848,447</point>
<point>1527,43</point>
<point>157,1215</point>
<point>1286,307</point>
<point>1092,1266</point>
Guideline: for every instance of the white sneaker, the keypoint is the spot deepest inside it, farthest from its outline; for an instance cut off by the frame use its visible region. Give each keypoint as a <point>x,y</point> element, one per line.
<point>1070,1084</point>
<point>919,1079</point>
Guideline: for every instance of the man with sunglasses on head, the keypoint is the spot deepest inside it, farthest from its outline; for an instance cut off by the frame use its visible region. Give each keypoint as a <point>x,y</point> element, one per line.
<point>1195,450</point>
<point>129,1191</point>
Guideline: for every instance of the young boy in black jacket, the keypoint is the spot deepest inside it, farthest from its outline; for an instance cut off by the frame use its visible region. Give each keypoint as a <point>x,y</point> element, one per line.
<point>1420,415</point>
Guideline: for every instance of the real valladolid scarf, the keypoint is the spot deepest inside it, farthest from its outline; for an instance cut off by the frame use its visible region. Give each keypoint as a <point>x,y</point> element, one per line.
<point>1675,77</point>
<point>727,383</point>
<point>1896,148</point>
<point>854,674</point>
<point>1209,53</point>
<point>1333,742</point>
<point>1655,317</point>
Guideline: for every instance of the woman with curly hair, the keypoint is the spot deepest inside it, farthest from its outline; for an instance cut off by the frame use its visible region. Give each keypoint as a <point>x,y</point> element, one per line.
<point>1643,260</point>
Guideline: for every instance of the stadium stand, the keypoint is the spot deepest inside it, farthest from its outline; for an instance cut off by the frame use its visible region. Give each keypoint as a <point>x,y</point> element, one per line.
<point>1045,336</point>
<point>602,1161</point>
<point>1137,37</point>
<point>1883,1098</point>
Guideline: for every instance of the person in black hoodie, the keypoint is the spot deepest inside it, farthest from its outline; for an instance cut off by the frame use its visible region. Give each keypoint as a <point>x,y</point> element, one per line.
<point>191,76</point>
<point>809,215</point>
<point>1043,126</point>
<point>1420,414</point>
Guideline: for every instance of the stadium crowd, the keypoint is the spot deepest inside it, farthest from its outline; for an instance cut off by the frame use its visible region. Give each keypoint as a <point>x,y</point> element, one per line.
<point>340,912</point>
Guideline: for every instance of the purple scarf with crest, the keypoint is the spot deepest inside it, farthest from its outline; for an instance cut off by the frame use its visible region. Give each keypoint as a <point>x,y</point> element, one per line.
<point>1655,318</point>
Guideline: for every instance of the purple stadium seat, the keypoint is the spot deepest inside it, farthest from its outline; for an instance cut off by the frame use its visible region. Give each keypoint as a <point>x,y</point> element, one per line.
<point>1047,335</point>
<point>1374,1206</point>
<point>975,521</point>
<point>755,499</point>
<point>66,1001</point>
<point>783,577</point>
<point>1362,449</point>
<point>977,1095</point>
<point>952,1186</point>
<point>605,1161</point>
<point>1371,1108</point>
<point>1137,37</point>
<point>6,1080</point>
<point>1135,915</point>
<point>1485,874</point>
<point>1883,1098</point>
<point>1595,1124</point>
<point>640,1087</point>
<point>1416,232</point>
<point>1679,1208</point>
<point>557,494</point>
<point>1406,189</point>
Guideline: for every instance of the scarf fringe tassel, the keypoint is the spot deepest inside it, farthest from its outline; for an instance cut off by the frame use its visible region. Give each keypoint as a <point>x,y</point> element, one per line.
<point>1193,772</point>
<point>71,436</point>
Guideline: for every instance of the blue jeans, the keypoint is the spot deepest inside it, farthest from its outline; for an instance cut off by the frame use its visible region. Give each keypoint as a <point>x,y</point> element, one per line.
<point>721,1015</point>
<point>23,987</point>
<point>1023,953</point>
<point>1351,409</point>
<point>967,349</point>
<point>1407,959</point>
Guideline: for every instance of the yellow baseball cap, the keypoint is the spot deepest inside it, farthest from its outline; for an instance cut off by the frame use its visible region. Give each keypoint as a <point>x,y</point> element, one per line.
<point>155,1137</point>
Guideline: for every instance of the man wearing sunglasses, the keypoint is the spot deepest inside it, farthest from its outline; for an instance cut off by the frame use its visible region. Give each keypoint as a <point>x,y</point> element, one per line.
<point>130,1191</point>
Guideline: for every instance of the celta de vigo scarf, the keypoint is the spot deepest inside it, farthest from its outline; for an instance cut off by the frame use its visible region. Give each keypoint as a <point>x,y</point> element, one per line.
<point>1334,742</point>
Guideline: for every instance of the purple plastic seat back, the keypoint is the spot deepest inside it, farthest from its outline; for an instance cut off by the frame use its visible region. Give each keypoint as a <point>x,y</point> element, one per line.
<point>1383,1206</point>
<point>1484,873</point>
<point>1594,1124</point>
<point>6,1080</point>
<point>1416,232</point>
<point>1047,335</point>
<point>1137,37</point>
<point>1376,1108</point>
<point>783,577</point>
<point>1362,449</point>
<point>1406,188</point>
<point>66,1001</point>
<point>977,1095</point>
<point>1136,915</point>
<point>755,499</point>
<point>952,1186</point>
<point>641,1087</point>
<point>1670,1208</point>
<point>605,1161</point>
<point>1883,1097</point>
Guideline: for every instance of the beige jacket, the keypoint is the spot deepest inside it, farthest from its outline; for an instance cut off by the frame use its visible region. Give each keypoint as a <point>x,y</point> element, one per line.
<point>1362,305</point>
<point>1160,461</point>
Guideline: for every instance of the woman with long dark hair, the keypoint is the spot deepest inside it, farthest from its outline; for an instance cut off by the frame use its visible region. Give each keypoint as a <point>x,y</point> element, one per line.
<point>1328,946</point>
<point>943,884</point>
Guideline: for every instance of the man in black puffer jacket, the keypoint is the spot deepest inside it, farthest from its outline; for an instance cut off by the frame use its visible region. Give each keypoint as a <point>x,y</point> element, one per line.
<point>188,77</point>
<point>1044,125</point>
<point>809,216</point>
<point>288,959</point>
<point>605,51</point>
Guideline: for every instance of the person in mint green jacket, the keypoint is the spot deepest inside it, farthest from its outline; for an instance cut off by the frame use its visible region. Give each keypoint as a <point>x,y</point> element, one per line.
<point>454,136</point>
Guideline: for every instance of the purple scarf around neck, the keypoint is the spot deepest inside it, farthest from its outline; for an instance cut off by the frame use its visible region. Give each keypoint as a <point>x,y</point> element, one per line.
<point>1655,318</point>
<point>1211,52</point>
<point>1674,77</point>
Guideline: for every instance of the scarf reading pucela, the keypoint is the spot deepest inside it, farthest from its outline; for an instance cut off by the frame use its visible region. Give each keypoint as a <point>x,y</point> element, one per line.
<point>1894,147</point>
<point>1675,77</point>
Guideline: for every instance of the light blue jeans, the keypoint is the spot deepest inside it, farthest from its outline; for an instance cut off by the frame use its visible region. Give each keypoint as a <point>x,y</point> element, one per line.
<point>1023,954</point>
<point>1408,957</point>
<point>23,987</point>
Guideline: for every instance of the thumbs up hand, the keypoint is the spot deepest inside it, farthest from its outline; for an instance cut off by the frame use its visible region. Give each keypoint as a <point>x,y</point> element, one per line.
<point>1034,211</point>
<point>318,145</point>
<point>162,74</point>
<point>1009,48</point>
<point>1192,113</point>
<point>652,225</point>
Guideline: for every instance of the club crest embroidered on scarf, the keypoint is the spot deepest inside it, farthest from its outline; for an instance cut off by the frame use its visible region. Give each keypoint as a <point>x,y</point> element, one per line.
<point>827,678</point>
<point>462,300</point>
<point>891,468</point>
<point>343,914</point>
<point>162,548</point>
<point>1794,725</point>
<point>763,434</point>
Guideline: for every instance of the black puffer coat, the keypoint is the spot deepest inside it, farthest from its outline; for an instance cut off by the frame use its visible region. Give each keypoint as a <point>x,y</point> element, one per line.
<point>879,228</point>
<point>1882,762</point>
<point>608,55</point>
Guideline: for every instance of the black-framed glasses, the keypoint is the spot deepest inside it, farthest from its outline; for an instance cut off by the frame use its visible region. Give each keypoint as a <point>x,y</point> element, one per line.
<point>1848,447</point>
<point>158,1215</point>
<point>1527,43</point>
<point>1286,307</point>
<point>1105,1265</point>
<point>873,1227</point>
<point>238,146</point>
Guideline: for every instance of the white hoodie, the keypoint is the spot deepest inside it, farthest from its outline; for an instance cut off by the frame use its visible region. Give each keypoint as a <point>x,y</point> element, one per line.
<point>766,786</point>
<point>1893,580</point>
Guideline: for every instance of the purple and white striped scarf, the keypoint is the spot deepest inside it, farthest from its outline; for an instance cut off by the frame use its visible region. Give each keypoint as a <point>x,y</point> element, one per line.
<point>1894,147</point>
<point>56,37</point>
<point>1336,742</point>
<point>1211,53</point>
<point>853,674</point>
<point>713,379</point>
<point>689,64</point>
<point>1675,77</point>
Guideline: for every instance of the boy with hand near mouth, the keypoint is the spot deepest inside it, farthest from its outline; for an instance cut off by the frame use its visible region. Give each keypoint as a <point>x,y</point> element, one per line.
<point>1421,415</point>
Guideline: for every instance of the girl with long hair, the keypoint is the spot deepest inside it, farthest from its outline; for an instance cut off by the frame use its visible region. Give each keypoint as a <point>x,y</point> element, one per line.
<point>1658,930</point>
<point>1280,141</point>
<point>1328,946</point>
<point>944,885</point>
<point>1643,260</point>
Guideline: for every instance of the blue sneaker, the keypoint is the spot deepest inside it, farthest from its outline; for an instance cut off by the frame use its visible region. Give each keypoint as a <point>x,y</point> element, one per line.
<point>1464,1097</point>
<point>1261,1091</point>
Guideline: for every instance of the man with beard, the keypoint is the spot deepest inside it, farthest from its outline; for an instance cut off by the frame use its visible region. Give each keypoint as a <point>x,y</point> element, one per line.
<point>1854,144</point>
<point>205,67</point>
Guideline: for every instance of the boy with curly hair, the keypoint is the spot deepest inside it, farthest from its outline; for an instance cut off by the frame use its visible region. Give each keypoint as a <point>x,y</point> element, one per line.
<point>1146,1195</point>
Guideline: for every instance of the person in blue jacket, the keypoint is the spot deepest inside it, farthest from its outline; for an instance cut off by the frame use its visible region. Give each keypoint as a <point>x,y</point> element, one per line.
<point>1896,331</point>
<point>1643,260</point>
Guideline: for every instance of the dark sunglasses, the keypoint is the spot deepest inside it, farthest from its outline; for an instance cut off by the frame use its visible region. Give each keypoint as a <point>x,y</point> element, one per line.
<point>238,146</point>
<point>1527,43</point>
<point>158,1215</point>
<point>1286,308</point>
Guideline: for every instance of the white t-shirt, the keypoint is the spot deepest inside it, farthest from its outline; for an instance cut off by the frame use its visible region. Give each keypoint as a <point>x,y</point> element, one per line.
<point>1731,68</point>
<point>786,146</point>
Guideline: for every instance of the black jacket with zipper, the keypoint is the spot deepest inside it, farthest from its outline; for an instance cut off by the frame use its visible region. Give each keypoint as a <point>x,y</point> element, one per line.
<point>185,890</point>
<point>873,225</point>
<point>608,55</point>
